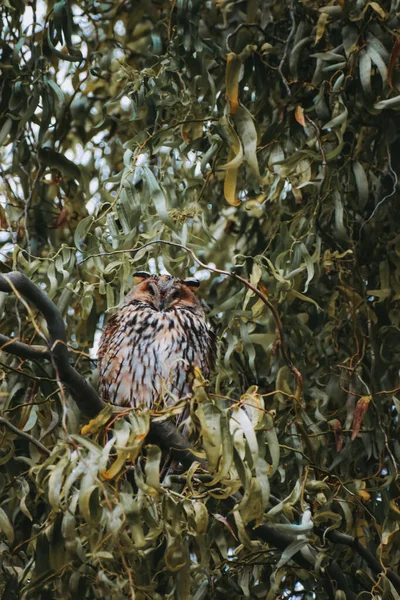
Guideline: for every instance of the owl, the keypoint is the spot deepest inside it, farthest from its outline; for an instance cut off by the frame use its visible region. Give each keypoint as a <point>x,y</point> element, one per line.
<point>150,346</point>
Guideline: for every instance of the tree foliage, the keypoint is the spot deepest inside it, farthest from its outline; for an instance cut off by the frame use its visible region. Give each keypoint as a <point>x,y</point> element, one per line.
<point>250,143</point>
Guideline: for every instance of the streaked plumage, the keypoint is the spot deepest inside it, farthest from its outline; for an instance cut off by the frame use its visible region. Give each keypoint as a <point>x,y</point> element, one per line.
<point>150,346</point>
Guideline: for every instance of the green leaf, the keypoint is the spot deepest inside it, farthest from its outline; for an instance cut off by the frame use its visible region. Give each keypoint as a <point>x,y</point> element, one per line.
<point>362,184</point>
<point>6,527</point>
<point>51,158</point>
<point>5,130</point>
<point>244,124</point>
<point>158,197</point>
<point>389,103</point>
<point>81,231</point>
<point>56,480</point>
<point>365,66</point>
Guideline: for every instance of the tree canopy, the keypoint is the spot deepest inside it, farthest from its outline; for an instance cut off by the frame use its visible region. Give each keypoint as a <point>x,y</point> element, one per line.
<point>251,144</point>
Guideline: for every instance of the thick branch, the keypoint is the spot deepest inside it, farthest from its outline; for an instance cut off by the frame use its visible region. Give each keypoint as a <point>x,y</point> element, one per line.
<point>81,391</point>
<point>23,350</point>
<point>280,540</point>
<point>337,537</point>
<point>166,435</point>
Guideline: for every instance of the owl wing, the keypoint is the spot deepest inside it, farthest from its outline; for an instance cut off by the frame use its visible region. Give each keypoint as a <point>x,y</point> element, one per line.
<point>212,348</point>
<point>109,342</point>
<point>111,327</point>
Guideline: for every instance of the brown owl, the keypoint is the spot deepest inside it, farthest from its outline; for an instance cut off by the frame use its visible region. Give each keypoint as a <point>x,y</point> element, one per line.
<point>150,346</point>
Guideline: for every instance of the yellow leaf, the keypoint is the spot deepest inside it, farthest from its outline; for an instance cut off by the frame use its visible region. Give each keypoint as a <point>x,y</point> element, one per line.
<point>101,419</point>
<point>115,467</point>
<point>299,115</point>
<point>322,21</point>
<point>235,159</point>
<point>377,8</point>
<point>364,495</point>
<point>230,187</point>
<point>233,66</point>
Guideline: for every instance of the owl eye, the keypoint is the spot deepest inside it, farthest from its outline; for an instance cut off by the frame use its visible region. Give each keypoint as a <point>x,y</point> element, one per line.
<point>176,293</point>
<point>192,282</point>
<point>152,288</point>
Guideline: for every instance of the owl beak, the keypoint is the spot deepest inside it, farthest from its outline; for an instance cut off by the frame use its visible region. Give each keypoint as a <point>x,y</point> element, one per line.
<point>162,304</point>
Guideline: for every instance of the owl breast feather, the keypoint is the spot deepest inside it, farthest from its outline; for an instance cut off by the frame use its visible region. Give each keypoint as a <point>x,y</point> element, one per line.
<point>147,357</point>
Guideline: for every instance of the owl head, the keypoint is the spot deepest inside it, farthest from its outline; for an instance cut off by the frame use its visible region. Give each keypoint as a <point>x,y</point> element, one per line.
<point>165,293</point>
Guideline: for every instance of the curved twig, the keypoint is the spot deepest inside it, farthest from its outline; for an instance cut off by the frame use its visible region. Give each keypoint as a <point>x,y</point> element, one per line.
<point>285,52</point>
<point>25,435</point>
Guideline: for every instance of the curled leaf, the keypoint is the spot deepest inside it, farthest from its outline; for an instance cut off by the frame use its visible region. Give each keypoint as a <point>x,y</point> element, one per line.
<point>338,432</point>
<point>232,73</point>
<point>359,412</point>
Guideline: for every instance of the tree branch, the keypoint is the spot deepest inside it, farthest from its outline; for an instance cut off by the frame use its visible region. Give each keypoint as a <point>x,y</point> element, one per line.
<point>81,391</point>
<point>337,537</point>
<point>170,439</point>
<point>25,435</point>
<point>280,540</point>
<point>23,350</point>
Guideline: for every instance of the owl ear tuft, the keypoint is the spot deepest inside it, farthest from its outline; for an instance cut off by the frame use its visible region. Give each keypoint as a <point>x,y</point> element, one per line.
<point>141,276</point>
<point>192,282</point>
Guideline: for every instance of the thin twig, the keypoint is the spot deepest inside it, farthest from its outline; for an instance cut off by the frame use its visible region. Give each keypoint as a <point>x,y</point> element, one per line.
<point>285,52</point>
<point>25,435</point>
<point>29,202</point>
<point>21,372</point>
<point>395,181</point>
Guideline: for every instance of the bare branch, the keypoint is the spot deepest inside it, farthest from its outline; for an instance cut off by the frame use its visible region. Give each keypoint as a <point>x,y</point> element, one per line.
<point>170,439</point>
<point>23,350</point>
<point>81,391</point>
<point>337,537</point>
<point>25,435</point>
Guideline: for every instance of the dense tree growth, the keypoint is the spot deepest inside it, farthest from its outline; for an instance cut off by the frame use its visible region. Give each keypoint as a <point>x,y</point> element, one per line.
<point>252,143</point>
